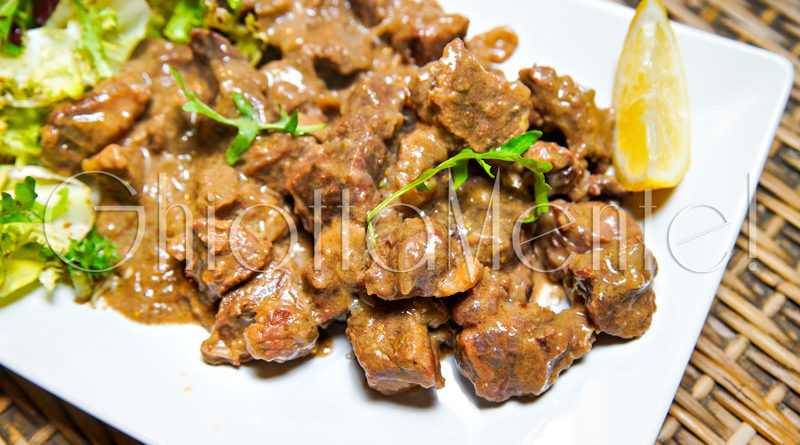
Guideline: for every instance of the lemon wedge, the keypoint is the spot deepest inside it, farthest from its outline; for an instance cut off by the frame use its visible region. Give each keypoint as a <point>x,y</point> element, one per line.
<point>652,102</point>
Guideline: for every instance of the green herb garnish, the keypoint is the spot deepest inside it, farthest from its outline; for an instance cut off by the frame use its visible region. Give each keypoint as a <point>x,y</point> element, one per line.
<point>22,207</point>
<point>248,124</point>
<point>86,260</point>
<point>94,253</point>
<point>89,259</point>
<point>94,23</point>
<point>511,151</point>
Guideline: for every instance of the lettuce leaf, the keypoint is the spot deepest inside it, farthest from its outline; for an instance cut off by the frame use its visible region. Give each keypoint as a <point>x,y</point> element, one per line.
<point>81,43</point>
<point>19,132</point>
<point>41,214</point>
<point>186,15</point>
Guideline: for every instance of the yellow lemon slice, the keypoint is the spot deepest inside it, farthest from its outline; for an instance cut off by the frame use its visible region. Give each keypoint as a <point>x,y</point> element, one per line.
<point>652,103</point>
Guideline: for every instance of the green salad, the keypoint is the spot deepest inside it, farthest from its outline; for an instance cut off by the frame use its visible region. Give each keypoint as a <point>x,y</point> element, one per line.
<point>47,229</point>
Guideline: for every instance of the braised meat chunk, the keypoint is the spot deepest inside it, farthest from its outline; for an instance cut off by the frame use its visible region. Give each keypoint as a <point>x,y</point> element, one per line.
<point>420,258</point>
<point>394,345</point>
<point>598,252</point>
<point>559,104</point>
<point>479,107</point>
<point>510,347</point>
<point>418,30</point>
<point>77,131</point>
<point>269,318</point>
<point>223,256</point>
<point>347,171</point>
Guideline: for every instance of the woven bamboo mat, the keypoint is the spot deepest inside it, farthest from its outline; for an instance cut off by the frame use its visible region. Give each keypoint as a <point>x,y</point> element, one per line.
<point>743,382</point>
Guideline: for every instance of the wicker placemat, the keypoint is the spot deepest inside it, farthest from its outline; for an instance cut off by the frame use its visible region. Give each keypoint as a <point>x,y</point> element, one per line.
<point>743,382</point>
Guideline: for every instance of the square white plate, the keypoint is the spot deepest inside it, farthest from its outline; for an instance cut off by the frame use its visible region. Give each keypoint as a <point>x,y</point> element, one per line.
<point>150,381</point>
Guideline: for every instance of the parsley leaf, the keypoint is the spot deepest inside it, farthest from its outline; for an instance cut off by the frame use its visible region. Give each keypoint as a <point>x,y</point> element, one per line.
<point>94,23</point>
<point>94,254</point>
<point>248,124</point>
<point>511,151</point>
<point>91,258</point>
<point>22,207</point>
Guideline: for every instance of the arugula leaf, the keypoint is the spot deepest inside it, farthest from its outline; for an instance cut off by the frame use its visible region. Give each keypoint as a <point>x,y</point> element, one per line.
<point>187,15</point>
<point>248,123</point>
<point>511,151</point>
<point>94,23</point>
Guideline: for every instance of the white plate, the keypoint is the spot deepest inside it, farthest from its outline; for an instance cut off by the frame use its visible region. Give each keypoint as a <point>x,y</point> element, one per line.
<point>151,383</point>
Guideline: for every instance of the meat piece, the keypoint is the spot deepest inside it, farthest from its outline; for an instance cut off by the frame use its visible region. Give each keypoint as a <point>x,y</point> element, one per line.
<point>77,131</point>
<point>278,157</point>
<point>123,161</point>
<point>252,205</point>
<point>340,47</point>
<point>598,185</point>
<point>567,170</point>
<point>293,84</point>
<point>393,344</point>
<point>511,348</point>
<point>371,12</point>
<point>268,318</point>
<point>419,30</point>
<point>419,258</point>
<point>477,106</point>
<point>338,268</point>
<point>558,103</point>
<point>616,286</point>
<point>570,176</point>
<point>493,46</point>
<point>490,212</point>
<point>342,256</point>
<point>568,229</point>
<point>223,256</point>
<point>353,154</point>
<point>596,249</point>
<point>233,73</point>
<point>422,148</point>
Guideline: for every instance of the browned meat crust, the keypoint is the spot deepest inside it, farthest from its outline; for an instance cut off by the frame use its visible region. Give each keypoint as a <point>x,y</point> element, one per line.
<point>79,130</point>
<point>597,250</point>
<point>510,347</point>
<point>558,103</point>
<point>269,318</point>
<point>393,344</point>
<point>479,107</point>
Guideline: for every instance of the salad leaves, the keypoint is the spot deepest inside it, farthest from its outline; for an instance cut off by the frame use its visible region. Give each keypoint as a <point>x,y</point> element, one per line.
<point>19,132</point>
<point>46,232</point>
<point>175,19</point>
<point>13,12</point>
<point>186,15</point>
<point>80,44</point>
